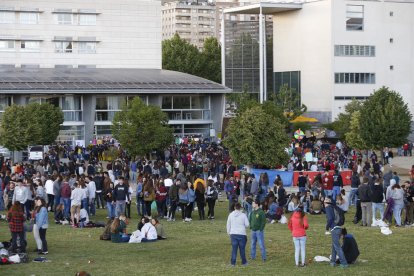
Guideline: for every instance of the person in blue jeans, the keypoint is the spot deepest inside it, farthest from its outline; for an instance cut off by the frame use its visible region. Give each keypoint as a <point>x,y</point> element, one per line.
<point>335,232</point>
<point>257,221</point>
<point>237,223</point>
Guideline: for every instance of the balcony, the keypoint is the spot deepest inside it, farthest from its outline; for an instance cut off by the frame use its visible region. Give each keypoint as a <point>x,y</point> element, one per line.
<point>189,115</point>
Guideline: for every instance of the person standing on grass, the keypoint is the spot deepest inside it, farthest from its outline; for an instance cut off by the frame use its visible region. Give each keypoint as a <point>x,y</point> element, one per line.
<point>365,193</point>
<point>174,201</point>
<point>119,196</point>
<point>257,221</point>
<point>42,223</point>
<point>212,195</point>
<point>15,217</point>
<point>298,224</point>
<point>336,232</point>
<point>75,203</point>
<point>237,223</point>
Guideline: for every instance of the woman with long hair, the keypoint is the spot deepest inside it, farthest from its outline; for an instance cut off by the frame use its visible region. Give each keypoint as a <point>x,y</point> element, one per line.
<point>298,224</point>
<point>16,219</point>
<point>42,222</point>
<point>149,196</point>
<point>36,234</point>
<point>128,200</point>
<point>118,230</point>
<point>201,200</point>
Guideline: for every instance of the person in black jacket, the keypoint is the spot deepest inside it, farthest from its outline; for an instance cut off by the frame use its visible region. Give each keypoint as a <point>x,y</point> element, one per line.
<point>364,192</point>
<point>120,196</point>
<point>350,247</point>
<point>377,198</point>
<point>98,179</point>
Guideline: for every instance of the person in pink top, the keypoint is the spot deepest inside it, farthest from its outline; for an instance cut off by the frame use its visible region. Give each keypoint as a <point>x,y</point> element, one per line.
<point>298,223</point>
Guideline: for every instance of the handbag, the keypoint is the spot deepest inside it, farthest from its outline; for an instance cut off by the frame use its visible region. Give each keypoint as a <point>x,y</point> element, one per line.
<point>28,226</point>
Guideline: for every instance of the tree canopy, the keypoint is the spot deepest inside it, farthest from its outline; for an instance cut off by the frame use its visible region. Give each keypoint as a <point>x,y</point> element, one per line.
<point>353,136</point>
<point>256,138</point>
<point>342,124</point>
<point>288,100</point>
<point>141,128</point>
<point>385,120</point>
<point>32,124</point>
<point>179,55</point>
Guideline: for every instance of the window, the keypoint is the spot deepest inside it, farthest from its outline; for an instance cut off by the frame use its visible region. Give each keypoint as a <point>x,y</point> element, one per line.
<point>354,18</point>
<point>29,18</point>
<point>30,46</point>
<point>290,78</point>
<point>30,66</point>
<point>358,78</point>
<point>87,19</point>
<point>87,47</point>
<point>7,17</point>
<point>64,18</point>
<point>7,45</point>
<point>63,47</point>
<point>355,50</point>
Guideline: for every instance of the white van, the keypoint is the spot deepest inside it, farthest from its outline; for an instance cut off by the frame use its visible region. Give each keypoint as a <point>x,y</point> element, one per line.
<point>35,153</point>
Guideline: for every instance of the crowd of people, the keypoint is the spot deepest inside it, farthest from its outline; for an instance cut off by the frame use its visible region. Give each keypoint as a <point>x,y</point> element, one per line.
<point>190,177</point>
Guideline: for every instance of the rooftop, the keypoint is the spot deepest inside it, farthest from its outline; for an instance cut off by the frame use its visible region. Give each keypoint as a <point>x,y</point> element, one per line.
<point>91,80</point>
<point>267,7</point>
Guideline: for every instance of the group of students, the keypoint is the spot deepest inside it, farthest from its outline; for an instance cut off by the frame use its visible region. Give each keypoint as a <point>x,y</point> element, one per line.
<point>147,230</point>
<point>17,225</point>
<point>238,221</point>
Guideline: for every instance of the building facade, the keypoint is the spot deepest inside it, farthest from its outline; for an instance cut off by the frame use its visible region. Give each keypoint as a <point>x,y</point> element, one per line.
<point>193,21</point>
<point>334,51</point>
<point>91,57</point>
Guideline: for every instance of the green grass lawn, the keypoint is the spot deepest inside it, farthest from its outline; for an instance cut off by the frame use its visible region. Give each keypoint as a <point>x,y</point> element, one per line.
<point>203,248</point>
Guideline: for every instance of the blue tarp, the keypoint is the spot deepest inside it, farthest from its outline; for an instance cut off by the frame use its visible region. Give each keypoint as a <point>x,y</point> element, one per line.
<point>287,177</point>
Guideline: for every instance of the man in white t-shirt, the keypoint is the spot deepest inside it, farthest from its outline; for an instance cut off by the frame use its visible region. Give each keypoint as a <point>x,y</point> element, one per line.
<point>91,192</point>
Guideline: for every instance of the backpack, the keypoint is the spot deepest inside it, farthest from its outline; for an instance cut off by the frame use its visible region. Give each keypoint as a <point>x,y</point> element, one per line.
<point>339,216</point>
<point>214,196</point>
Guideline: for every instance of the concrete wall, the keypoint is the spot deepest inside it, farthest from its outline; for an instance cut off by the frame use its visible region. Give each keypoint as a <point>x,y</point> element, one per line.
<point>129,32</point>
<point>302,42</point>
<point>379,27</point>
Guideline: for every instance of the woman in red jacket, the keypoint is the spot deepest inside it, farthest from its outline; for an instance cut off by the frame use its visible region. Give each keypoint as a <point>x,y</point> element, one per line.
<point>298,224</point>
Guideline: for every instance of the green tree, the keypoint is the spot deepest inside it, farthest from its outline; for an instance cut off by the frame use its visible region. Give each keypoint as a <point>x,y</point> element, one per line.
<point>353,136</point>
<point>141,128</point>
<point>343,123</point>
<point>256,138</point>
<point>385,120</point>
<point>210,67</point>
<point>44,123</point>
<point>14,128</point>
<point>179,55</point>
<point>288,99</point>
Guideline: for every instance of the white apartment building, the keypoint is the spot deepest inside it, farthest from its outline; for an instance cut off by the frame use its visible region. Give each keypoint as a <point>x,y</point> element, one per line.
<point>91,57</point>
<point>193,22</point>
<point>333,51</point>
<point>76,33</point>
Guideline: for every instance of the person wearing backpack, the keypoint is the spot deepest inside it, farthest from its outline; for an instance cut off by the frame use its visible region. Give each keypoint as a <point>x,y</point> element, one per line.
<point>212,196</point>
<point>335,219</point>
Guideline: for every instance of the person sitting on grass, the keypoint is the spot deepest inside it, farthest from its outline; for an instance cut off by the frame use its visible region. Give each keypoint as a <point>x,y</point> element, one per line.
<point>160,229</point>
<point>271,213</point>
<point>106,235</point>
<point>148,232</point>
<point>350,247</point>
<point>316,207</point>
<point>118,230</point>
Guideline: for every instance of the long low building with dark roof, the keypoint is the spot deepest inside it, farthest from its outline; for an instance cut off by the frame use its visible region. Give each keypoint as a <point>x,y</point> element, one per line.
<point>90,97</point>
